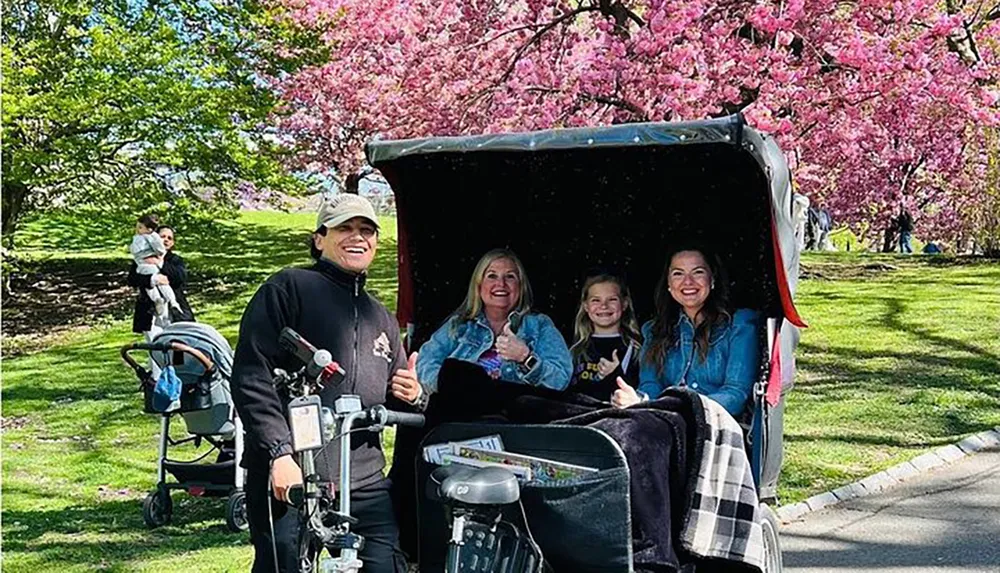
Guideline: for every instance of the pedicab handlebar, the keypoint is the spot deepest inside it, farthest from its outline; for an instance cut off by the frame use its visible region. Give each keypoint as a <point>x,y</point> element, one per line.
<point>394,418</point>
<point>374,419</point>
<point>313,428</point>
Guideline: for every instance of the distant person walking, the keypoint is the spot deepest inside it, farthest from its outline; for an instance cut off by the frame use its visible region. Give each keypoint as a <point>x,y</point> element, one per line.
<point>904,223</point>
<point>819,223</point>
<point>176,273</point>
<point>148,251</point>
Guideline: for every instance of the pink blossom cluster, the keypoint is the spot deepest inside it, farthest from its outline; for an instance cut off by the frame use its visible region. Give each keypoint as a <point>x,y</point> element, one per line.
<point>878,103</point>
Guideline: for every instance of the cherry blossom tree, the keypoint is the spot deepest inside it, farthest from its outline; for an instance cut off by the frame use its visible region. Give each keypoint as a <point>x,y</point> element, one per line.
<point>879,104</point>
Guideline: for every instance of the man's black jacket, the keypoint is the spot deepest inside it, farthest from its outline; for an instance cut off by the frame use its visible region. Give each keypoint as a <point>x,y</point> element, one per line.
<point>175,270</point>
<point>330,308</point>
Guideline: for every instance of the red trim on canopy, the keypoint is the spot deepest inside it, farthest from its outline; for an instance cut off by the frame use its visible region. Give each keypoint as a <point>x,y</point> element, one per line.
<point>773,394</point>
<point>787,304</point>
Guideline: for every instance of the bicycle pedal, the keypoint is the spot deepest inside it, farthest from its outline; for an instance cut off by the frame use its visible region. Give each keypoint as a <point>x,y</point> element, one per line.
<point>347,541</point>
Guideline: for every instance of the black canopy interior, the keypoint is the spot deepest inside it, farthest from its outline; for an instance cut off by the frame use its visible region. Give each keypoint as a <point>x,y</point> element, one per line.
<point>566,212</point>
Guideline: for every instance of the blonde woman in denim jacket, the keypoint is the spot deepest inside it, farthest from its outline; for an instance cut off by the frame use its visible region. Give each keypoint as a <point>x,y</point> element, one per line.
<point>694,340</point>
<point>496,329</point>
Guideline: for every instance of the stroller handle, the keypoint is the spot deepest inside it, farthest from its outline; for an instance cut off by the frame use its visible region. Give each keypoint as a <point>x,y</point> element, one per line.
<point>174,345</point>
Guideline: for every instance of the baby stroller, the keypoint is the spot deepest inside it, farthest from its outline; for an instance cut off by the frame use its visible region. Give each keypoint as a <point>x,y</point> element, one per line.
<point>203,361</point>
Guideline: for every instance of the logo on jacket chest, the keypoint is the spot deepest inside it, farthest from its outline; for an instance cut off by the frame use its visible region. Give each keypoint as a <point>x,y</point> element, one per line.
<point>382,348</point>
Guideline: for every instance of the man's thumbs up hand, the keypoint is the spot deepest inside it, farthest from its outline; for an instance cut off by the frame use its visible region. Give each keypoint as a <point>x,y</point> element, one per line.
<point>405,385</point>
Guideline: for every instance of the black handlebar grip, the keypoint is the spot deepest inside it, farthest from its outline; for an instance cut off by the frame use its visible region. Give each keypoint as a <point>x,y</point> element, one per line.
<point>393,418</point>
<point>296,495</point>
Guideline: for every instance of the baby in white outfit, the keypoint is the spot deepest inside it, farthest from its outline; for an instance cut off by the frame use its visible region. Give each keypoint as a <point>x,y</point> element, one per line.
<point>148,251</point>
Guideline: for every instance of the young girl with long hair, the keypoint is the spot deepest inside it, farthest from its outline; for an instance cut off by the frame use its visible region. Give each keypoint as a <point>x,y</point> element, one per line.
<point>607,340</point>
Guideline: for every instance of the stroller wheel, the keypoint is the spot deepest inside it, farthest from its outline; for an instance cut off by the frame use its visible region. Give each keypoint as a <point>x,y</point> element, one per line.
<point>772,545</point>
<point>236,512</point>
<point>157,508</point>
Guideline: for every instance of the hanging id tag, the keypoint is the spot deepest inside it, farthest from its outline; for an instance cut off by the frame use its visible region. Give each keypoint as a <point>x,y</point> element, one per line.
<point>305,419</point>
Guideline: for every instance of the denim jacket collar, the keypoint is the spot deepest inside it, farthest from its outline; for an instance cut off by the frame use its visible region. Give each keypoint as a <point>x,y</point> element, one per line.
<point>686,325</point>
<point>481,320</point>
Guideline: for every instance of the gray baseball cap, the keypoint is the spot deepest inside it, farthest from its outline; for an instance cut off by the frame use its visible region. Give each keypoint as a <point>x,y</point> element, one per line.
<point>344,207</point>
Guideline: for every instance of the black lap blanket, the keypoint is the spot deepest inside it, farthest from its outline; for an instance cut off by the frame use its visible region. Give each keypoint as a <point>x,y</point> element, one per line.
<point>662,441</point>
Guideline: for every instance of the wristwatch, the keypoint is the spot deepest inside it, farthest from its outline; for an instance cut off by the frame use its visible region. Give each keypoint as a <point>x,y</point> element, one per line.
<point>530,362</point>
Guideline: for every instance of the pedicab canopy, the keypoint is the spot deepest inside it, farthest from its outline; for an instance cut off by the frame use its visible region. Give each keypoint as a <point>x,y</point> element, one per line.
<point>571,201</point>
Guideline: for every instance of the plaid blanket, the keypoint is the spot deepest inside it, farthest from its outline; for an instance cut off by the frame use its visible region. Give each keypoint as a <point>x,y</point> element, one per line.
<point>724,517</point>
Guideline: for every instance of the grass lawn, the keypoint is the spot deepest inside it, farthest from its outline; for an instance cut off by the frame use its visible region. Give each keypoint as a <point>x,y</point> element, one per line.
<point>78,453</point>
<point>903,354</point>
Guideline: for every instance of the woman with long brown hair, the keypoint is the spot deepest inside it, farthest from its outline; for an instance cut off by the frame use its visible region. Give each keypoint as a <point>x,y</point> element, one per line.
<point>695,340</point>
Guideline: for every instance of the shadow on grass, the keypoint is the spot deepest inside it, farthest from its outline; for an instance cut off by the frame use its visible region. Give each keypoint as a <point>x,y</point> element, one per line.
<point>112,533</point>
<point>917,370</point>
<point>12,394</point>
<point>923,393</point>
<point>226,262</point>
<point>868,439</point>
<point>891,318</point>
<point>913,368</point>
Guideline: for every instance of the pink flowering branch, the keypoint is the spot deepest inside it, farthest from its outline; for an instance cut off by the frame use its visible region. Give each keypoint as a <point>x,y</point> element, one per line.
<point>857,93</point>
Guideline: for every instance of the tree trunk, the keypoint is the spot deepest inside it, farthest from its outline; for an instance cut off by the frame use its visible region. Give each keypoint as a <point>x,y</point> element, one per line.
<point>889,239</point>
<point>961,41</point>
<point>14,195</point>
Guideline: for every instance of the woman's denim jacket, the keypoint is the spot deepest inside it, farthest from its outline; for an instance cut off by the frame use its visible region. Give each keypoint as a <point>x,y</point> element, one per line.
<point>468,340</point>
<point>726,375</point>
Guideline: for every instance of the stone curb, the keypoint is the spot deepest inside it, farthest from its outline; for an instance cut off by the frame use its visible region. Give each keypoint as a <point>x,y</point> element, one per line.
<point>887,478</point>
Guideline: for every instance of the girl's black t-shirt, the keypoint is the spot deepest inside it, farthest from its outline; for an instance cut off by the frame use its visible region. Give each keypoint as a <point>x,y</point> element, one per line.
<point>586,375</point>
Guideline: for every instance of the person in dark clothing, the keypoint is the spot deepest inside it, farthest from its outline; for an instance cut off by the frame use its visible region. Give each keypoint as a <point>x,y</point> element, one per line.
<point>905,225</point>
<point>328,306</point>
<point>174,273</point>
<point>607,337</point>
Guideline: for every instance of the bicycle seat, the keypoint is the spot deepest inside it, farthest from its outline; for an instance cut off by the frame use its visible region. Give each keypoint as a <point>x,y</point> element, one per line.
<point>473,486</point>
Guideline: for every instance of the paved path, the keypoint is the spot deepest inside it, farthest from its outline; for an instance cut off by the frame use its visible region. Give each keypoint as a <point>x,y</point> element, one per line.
<point>947,520</point>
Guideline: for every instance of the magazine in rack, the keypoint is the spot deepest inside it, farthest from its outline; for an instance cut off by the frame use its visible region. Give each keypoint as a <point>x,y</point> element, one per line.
<point>488,451</point>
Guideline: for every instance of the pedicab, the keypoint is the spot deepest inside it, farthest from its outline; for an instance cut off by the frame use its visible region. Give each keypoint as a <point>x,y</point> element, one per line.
<point>567,200</point>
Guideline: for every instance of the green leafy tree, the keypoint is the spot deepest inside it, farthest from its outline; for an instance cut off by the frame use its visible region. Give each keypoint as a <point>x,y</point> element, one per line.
<point>123,104</point>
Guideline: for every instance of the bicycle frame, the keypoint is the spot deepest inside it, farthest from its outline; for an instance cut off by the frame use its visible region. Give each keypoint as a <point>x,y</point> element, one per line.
<point>347,417</point>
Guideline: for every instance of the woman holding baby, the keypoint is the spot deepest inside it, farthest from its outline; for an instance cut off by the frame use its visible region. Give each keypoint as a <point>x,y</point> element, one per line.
<point>156,270</point>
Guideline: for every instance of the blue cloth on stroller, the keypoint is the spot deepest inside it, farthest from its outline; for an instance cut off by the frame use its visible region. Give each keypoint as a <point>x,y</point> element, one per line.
<point>167,391</point>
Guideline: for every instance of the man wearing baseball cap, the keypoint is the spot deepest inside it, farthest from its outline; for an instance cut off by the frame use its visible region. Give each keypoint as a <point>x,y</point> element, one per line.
<point>328,305</point>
